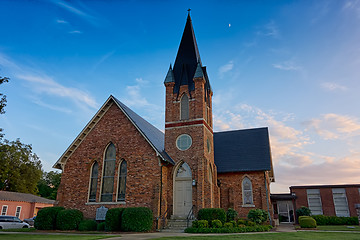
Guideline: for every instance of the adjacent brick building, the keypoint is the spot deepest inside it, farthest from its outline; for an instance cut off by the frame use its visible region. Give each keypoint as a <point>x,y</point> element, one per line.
<point>329,200</point>
<point>22,205</point>
<point>121,160</point>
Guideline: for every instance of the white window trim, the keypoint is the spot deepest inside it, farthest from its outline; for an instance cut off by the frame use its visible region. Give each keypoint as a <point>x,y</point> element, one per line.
<point>188,107</point>
<point>347,203</point>
<point>307,196</point>
<point>118,182</point>
<point>16,213</point>
<point>102,171</point>
<point>176,142</point>
<point>2,210</point>
<point>90,178</point>
<point>243,195</point>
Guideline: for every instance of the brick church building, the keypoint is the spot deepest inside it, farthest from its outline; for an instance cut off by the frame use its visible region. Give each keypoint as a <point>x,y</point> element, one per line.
<point>121,160</point>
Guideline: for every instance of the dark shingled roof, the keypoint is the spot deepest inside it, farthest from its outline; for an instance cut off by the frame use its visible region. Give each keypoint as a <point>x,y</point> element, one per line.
<point>153,135</point>
<point>23,197</point>
<point>187,60</point>
<point>242,150</point>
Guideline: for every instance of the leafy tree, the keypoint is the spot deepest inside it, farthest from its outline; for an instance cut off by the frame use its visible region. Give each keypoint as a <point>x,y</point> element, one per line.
<point>49,184</point>
<point>2,101</point>
<point>20,168</point>
<point>2,96</point>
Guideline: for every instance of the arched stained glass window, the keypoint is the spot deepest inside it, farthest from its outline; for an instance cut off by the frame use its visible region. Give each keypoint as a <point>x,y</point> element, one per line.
<point>108,174</point>
<point>184,107</point>
<point>122,181</point>
<point>93,182</point>
<point>247,191</point>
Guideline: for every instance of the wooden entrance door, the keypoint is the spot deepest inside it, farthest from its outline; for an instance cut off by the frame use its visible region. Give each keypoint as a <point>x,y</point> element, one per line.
<point>182,191</point>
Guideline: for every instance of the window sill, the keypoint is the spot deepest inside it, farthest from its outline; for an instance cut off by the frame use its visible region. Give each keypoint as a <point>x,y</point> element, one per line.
<point>248,205</point>
<point>105,203</point>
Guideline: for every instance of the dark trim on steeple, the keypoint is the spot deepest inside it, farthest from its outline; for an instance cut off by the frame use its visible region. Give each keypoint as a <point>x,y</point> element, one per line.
<point>187,58</point>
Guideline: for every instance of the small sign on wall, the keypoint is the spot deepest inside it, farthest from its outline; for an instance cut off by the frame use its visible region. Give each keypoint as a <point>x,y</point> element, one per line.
<point>101,213</point>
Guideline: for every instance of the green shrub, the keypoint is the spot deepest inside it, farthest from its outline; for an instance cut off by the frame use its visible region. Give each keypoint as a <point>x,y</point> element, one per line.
<point>250,223</point>
<point>216,223</point>
<point>241,222</point>
<point>241,225</point>
<point>303,211</point>
<point>233,223</point>
<point>46,218</point>
<point>137,219</point>
<point>202,224</point>
<point>257,228</point>
<point>257,215</point>
<point>231,214</point>
<point>228,225</point>
<point>210,214</point>
<point>307,222</point>
<point>113,219</point>
<point>69,219</point>
<point>334,220</point>
<point>87,225</point>
<point>100,227</point>
<point>302,217</point>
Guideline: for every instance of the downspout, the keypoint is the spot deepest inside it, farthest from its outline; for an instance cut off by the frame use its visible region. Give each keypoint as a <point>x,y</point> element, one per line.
<point>157,222</point>
<point>267,199</point>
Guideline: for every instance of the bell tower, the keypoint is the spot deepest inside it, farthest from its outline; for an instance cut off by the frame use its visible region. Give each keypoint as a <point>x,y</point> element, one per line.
<point>189,126</point>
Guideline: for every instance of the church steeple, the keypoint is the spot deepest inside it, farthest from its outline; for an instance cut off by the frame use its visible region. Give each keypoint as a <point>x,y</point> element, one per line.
<point>187,59</point>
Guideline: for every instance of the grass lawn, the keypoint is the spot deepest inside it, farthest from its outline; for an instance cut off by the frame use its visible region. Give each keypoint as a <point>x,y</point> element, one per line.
<point>50,237</point>
<point>278,236</point>
<point>338,228</point>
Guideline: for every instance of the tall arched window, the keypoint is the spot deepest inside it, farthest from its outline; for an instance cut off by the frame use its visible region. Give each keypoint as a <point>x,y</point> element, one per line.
<point>108,174</point>
<point>247,191</point>
<point>122,181</point>
<point>93,182</point>
<point>184,107</point>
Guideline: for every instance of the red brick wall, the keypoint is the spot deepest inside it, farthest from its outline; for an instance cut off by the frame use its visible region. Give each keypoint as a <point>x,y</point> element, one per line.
<point>197,156</point>
<point>231,191</point>
<point>143,170</point>
<point>352,194</point>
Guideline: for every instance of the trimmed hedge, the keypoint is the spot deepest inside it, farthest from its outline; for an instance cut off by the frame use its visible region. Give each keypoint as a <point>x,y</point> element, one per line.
<point>231,214</point>
<point>200,224</point>
<point>307,222</point>
<point>257,215</point>
<point>210,214</point>
<point>334,220</point>
<point>113,219</point>
<point>69,219</point>
<point>100,227</point>
<point>228,225</point>
<point>216,223</point>
<point>88,225</point>
<point>137,219</point>
<point>46,218</point>
<point>303,211</point>
<point>257,228</point>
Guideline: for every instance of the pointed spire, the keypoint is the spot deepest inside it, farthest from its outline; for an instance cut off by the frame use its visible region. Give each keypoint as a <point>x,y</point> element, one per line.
<point>187,58</point>
<point>199,72</point>
<point>169,76</point>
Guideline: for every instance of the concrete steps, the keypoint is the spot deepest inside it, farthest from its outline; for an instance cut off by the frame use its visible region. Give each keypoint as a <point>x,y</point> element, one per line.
<point>176,225</point>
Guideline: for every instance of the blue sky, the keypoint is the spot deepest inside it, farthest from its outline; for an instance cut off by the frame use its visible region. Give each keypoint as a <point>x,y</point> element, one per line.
<point>292,66</point>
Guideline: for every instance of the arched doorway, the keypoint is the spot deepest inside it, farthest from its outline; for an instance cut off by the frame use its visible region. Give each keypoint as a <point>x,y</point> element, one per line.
<point>182,191</point>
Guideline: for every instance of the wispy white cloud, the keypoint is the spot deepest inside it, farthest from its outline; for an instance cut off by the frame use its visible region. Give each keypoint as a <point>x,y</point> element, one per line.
<point>80,13</point>
<point>103,59</point>
<point>331,86</point>
<point>75,32</point>
<point>287,66</point>
<point>41,84</point>
<point>50,106</point>
<point>334,126</point>
<point>61,21</point>
<point>226,68</point>
<point>270,29</point>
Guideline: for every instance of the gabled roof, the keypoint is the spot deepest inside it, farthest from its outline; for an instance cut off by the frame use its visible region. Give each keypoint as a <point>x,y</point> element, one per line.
<point>23,197</point>
<point>151,134</point>
<point>243,150</point>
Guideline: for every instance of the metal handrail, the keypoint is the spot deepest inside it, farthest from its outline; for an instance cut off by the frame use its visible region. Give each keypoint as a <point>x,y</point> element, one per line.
<point>190,216</point>
<point>163,218</point>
